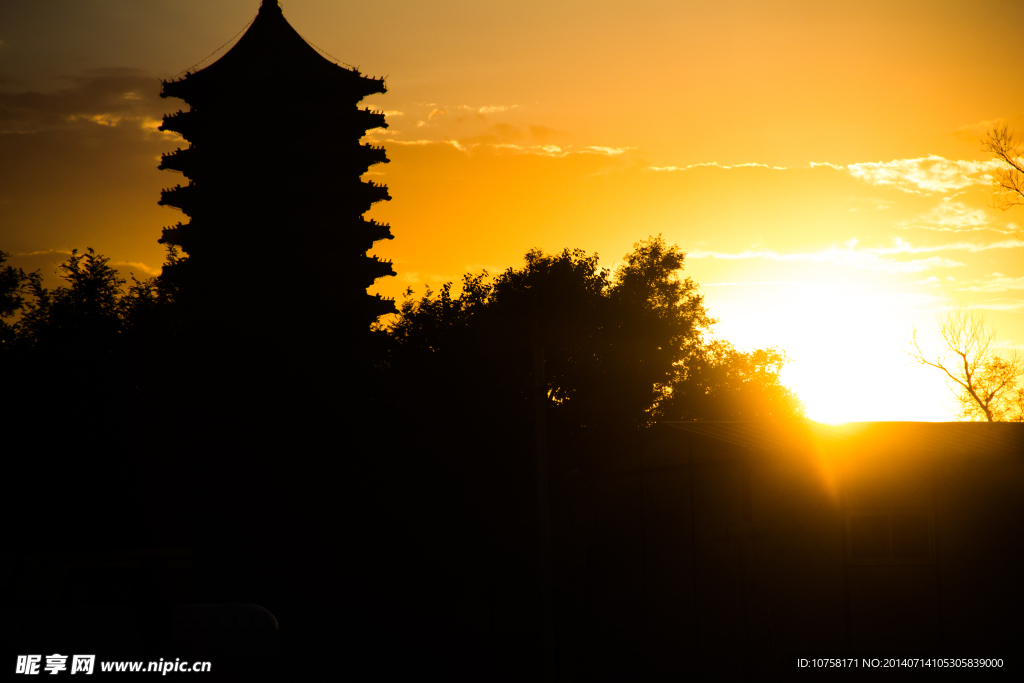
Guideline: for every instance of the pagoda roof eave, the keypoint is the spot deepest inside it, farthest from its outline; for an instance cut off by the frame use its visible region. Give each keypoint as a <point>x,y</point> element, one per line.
<point>272,51</point>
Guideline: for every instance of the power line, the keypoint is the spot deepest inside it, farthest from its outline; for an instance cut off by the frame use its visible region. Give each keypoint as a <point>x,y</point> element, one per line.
<point>327,54</point>
<point>205,59</point>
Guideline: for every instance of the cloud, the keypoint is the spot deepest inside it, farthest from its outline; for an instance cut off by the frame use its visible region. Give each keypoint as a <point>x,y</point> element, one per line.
<point>903,247</point>
<point>951,216</point>
<point>609,151</point>
<point>495,108</point>
<point>995,284</point>
<point>435,113</point>
<point>492,142</point>
<point>106,97</point>
<point>714,164</point>
<point>391,141</point>
<point>841,257</point>
<point>48,261</point>
<point>929,174</point>
<point>874,258</point>
<point>758,283</point>
<point>1001,305</point>
<point>44,252</point>
<point>975,132</point>
<point>137,265</point>
<point>78,166</point>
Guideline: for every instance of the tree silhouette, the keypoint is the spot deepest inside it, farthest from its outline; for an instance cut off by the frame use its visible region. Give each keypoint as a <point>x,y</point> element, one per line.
<point>620,351</point>
<point>81,321</point>
<point>14,283</point>
<point>983,380</point>
<point>718,382</point>
<point>1009,180</point>
<point>91,325</point>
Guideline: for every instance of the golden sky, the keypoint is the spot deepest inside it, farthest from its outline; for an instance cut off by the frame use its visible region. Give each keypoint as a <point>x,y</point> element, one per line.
<point>820,163</point>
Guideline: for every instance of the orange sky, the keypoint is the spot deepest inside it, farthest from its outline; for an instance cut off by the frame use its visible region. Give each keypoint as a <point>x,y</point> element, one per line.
<point>820,164</point>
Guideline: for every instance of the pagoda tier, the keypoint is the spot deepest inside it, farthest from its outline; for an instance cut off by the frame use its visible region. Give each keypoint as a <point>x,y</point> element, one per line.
<point>359,158</point>
<point>210,164</point>
<point>293,123</point>
<point>275,160</point>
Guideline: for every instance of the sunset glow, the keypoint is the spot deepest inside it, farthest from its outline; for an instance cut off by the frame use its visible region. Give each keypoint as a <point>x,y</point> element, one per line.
<point>820,165</point>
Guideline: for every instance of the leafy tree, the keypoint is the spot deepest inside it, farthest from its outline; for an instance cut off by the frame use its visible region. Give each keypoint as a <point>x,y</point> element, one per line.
<point>92,333</point>
<point>619,351</point>
<point>720,383</point>
<point>82,319</point>
<point>13,285</point>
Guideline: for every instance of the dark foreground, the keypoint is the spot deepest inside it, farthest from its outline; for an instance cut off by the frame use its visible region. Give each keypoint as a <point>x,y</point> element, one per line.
<point>721,551</point>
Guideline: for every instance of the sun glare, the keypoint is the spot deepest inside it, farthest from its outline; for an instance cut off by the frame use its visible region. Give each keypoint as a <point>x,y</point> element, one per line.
<point>845,340</point>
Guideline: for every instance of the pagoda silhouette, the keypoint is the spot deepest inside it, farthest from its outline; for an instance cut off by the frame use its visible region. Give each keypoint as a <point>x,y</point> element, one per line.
<point>274,167</point>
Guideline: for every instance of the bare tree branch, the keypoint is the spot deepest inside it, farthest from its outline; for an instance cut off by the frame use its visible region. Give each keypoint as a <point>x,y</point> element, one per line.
<point>985,381</point>
<point>1009,182</point>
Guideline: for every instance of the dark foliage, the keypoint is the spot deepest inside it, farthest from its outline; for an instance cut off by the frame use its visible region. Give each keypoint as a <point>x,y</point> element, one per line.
<point>411,452</point>
<point>619,351</point>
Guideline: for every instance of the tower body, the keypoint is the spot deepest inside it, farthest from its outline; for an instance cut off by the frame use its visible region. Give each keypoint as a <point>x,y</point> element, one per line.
<point>274,196</point>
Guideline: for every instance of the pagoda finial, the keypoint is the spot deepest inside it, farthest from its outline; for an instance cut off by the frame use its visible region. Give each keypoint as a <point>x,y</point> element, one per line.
<point>272,4</point>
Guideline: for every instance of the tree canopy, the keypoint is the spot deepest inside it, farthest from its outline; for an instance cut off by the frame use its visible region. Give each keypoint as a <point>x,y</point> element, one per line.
<point>621,349</point>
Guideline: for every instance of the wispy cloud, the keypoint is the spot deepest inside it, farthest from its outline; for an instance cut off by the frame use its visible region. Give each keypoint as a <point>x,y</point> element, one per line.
<point>106,97</point>
<point>489,143</point>
<point>137,265</point>
<point>931,174</point>
<point>951,216</point>
<point>840,257</point>
<point>714,164</point>
<point>496,108</point>
<point>60,256</point>
<point>999,283</point>
<point>392,141</point>
<point>903,247</point>
<point>874,258</point>
<point>609,151</point>
<point>1002,305</point>
<point>757,283</point>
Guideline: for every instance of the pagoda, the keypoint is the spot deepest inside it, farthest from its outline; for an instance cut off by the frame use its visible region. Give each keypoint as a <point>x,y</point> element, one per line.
<point>274,197</point>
